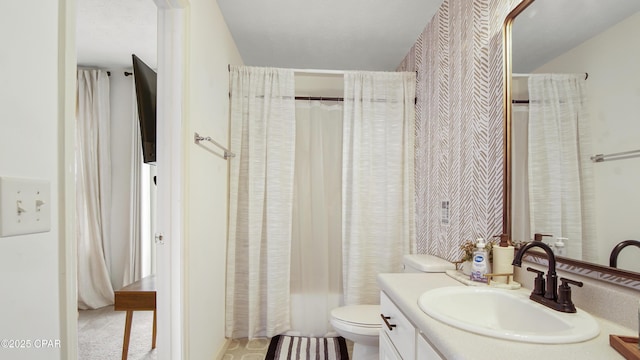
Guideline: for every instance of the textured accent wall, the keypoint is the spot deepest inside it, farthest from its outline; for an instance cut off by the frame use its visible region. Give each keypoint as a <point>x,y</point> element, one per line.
<point>459,124</point>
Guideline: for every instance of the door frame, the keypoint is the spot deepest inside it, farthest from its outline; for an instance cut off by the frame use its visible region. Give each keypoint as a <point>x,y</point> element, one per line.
<point>170,151</point>
<point>171,38</point>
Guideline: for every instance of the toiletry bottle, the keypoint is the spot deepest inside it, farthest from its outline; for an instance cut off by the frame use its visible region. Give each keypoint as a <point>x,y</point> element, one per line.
<point>559,246</point>
<point>480,264</point>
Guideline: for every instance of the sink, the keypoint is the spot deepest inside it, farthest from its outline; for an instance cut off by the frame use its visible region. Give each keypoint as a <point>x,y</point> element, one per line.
<point>506,314</point>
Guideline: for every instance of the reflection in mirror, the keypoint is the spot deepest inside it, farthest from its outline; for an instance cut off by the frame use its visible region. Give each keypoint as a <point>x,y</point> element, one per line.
<point>560,120</point>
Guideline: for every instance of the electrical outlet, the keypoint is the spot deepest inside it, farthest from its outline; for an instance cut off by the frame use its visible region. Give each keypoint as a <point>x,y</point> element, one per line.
<point>444,212</point>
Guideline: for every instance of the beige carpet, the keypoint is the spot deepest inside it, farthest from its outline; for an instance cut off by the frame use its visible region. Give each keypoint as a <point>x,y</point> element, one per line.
<point>101,332</point>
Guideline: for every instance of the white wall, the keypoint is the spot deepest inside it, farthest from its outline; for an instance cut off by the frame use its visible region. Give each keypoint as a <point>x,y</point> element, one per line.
<point>611,59</point>
<point>210,49</point>
<point>30,137</point>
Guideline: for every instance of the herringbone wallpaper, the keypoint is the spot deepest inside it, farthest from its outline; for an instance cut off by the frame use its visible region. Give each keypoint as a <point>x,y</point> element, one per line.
<point>459,124</point>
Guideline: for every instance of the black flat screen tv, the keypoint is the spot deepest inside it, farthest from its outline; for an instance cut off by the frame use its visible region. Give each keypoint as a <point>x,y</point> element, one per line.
<point>146,87</point>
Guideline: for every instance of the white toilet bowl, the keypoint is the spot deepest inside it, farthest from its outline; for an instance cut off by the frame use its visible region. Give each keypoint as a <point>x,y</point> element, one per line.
<point>361,325</point>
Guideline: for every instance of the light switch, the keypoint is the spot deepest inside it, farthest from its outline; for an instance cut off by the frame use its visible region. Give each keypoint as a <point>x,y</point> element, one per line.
<point>24,206</point>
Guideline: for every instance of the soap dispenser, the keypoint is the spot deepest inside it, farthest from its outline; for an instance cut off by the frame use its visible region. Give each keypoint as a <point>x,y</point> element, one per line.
<point>480,264</point>
<point>559,247</point>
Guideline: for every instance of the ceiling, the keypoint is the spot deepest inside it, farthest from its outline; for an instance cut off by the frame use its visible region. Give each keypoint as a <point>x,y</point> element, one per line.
<point>327,34</point>
<point>109,31</point>
<point>549,28</point>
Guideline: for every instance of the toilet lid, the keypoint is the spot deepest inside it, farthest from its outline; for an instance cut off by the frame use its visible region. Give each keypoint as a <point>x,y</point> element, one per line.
<point>361,315</point>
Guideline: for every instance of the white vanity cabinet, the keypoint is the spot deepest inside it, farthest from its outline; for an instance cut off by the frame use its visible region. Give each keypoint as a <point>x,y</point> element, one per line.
<point>399,338</point>
<point>387,350</point>
<point>424,350</point>
<point>398,335</point>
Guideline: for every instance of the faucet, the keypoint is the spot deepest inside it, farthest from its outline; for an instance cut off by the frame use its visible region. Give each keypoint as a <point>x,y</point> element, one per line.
<point>548,296</point>
<point>613,258</point>
<point>538,236</point>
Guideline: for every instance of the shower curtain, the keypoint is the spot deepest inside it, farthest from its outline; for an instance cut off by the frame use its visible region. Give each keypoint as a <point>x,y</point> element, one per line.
<point>560,170</point>
<point>261,202</point>
<point>377,179</point>
<point>316,248</point>
<point>520,218</point>
<point>93,184</point>
<point>308,182</point>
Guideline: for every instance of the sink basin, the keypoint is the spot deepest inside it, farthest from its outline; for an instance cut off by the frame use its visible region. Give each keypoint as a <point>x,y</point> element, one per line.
<point>506,314</point>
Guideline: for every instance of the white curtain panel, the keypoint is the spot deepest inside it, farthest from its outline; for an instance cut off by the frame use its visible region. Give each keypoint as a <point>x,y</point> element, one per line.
<point>261,201</point>
<point>316,249</point>
<point>561,189</point>
<point>377,179</point>
<point>133,262</point>
<point>93,188</point>
<point>519,173</point>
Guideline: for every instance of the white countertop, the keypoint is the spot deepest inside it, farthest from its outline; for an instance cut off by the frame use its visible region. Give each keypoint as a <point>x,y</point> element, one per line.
<point>404,289</point>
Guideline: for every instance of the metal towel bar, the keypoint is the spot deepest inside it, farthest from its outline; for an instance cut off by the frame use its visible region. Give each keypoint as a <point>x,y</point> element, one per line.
<point>624,155</point>
<point>197,138</point>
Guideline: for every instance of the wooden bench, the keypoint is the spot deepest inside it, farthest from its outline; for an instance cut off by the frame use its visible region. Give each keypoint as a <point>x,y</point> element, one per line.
<point>141,296</point>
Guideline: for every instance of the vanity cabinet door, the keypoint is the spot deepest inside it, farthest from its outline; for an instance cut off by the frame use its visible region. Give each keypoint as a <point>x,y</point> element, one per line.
<point>400,331</point>
<point>387,351</point>
<point>424,350</point>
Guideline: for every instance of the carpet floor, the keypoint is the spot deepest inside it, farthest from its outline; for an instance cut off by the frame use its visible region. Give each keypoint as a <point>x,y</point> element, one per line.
<point>101,332</point>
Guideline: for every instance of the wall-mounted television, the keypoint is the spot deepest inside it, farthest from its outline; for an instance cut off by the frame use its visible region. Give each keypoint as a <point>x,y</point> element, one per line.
<point>146,86</point>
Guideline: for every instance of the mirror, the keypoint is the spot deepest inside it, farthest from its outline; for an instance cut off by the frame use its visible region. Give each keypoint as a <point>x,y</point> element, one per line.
<point>570,39</point>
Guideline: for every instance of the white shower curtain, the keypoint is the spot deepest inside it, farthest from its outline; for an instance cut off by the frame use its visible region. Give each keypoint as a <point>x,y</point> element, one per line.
<point>519,173</point>
<point>316,261</point>
<point>261,202</point>
<point>560,170</point>
<point>378,179</point>
<point>93,189</point>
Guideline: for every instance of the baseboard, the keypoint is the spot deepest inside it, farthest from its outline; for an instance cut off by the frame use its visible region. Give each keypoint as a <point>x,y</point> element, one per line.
<point>223,349</point>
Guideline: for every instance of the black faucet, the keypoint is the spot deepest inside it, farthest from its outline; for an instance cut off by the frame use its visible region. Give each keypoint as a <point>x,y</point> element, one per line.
<point>613,258</point>
<point>538,236</point>
<point>548,296</point>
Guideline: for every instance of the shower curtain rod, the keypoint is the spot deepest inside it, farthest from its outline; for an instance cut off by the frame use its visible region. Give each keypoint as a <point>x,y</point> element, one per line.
<point>586,75</point>
<point>322,98</point>
<point>327,72</point>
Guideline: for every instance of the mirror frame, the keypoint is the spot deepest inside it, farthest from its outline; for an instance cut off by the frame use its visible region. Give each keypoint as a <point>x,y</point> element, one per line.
<point>600,272</point>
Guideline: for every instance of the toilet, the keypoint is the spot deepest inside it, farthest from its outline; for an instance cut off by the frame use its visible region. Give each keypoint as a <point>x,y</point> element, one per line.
<point>361,323</point>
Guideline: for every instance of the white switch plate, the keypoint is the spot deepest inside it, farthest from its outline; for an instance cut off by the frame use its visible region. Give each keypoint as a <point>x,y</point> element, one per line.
<point>25,206</point>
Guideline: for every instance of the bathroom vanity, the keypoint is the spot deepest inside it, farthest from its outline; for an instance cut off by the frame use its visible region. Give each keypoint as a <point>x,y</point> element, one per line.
<point>416,335</point>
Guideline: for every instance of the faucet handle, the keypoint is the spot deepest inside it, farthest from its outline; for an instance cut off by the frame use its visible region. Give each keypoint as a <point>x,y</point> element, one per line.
<point>564,294</point>
<point>538,284</point>
<point>565,282</point>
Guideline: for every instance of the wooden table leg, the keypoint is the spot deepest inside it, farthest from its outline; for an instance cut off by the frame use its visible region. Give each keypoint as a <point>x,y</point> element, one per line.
<point>153,340</point>
<point>127,335</point>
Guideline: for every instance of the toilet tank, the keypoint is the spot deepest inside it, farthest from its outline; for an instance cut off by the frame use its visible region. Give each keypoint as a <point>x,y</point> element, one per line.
<point>423,263</point>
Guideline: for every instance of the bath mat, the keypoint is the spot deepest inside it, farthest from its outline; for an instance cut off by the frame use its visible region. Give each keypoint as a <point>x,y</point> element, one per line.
<point>284,347</point>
